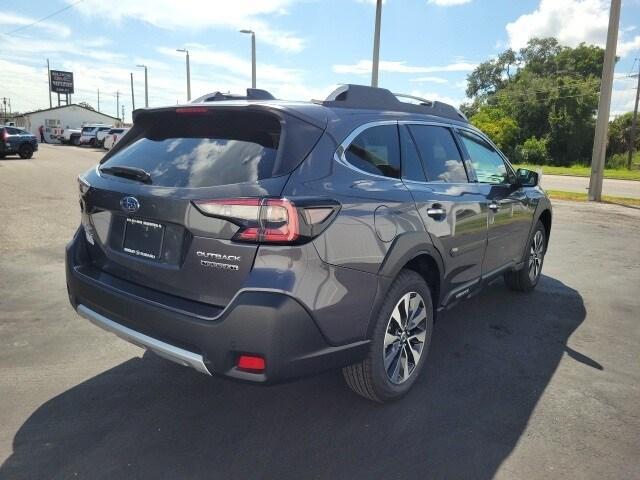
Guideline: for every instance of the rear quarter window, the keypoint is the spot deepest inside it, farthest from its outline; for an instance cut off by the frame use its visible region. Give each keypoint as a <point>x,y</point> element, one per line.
<point>376,150</point>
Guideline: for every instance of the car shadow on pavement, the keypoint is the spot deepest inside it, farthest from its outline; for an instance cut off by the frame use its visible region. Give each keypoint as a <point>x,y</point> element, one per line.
<point>491,359</point>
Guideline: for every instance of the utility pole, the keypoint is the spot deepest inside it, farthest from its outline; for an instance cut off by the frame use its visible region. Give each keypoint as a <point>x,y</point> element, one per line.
<point>604,105</point>
<point>122,113</point>
<point>4,107</point>
<point>49,83</point>
<point>634,122</point>
<point>98,99</point>
<point>117,103</point>
<point>133,99</point>
<point>376,45</point>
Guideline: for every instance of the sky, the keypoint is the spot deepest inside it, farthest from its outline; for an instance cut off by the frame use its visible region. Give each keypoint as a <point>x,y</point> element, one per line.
<point>305,48</point>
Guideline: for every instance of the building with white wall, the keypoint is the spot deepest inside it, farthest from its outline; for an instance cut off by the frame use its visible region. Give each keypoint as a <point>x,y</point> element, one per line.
<point>57,118</point>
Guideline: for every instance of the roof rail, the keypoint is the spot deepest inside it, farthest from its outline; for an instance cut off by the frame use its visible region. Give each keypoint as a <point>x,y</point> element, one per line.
<point>361,96</point>
<point>252,94</point>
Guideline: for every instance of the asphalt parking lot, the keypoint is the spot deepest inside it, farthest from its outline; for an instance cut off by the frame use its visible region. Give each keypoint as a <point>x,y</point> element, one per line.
<point>537,386</point>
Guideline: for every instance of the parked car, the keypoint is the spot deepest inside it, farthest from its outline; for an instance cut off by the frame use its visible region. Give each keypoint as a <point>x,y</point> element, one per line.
<point>113,136</point>
<point>101,134</point>
<point>70,136</point>
<point>264,241</point>
<point>88,135</point>
<point>15,141</point>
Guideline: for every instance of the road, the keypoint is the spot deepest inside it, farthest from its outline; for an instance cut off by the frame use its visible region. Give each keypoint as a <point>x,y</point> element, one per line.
<point>615,188</point>
<point>536,386</point>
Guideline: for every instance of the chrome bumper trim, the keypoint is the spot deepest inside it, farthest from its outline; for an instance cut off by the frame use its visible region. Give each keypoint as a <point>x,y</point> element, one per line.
<point>162,349</point>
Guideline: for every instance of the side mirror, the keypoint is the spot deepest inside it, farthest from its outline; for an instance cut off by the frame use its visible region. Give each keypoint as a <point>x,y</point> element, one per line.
<point>527,178</point>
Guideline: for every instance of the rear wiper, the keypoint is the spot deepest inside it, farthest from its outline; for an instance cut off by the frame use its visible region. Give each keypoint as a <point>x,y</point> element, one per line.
<point>128,172</point>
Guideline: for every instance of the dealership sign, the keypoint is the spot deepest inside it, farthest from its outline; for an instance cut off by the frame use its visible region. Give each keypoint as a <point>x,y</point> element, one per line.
<point>61,82</point>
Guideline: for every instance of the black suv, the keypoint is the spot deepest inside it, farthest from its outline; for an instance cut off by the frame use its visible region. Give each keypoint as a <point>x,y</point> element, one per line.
<point>15,141</point>
<point>265,240</point>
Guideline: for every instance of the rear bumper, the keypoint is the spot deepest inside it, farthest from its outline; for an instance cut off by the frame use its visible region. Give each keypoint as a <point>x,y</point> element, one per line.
<point>270,324</point>
<point>166,350</point>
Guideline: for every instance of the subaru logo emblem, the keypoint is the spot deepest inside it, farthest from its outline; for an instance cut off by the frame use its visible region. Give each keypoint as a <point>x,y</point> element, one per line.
<point>130,204</point>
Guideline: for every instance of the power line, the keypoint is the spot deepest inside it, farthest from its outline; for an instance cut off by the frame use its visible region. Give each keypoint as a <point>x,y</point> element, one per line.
<point>11,32</point>
<point>549,90</point>
<point>567,96</point>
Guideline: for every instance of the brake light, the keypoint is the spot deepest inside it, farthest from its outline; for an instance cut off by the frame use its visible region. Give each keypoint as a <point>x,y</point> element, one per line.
<point>192,110</point>
<point>267,220</point>
<point>5,134</point>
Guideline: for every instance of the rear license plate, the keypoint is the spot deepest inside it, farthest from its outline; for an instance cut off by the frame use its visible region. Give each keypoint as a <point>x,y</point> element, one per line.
<point>143,238</point>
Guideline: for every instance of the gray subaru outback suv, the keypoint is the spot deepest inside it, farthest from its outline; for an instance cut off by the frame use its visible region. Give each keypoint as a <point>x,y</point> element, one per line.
<point>265,240</point>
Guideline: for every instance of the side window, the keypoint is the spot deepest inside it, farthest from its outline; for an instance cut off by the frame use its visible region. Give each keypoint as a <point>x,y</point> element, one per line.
<point>13,131</point>
<point>487,163</point>
<point>411,166</point>
<point>376,150</point>
<point>440,155</point>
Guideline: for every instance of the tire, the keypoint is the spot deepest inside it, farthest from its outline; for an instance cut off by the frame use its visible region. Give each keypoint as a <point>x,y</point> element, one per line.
<point>526,279</point>
<point>2,155</point>
<point>92,142</point>
<point>370,378</point>
<point>25,151</point>
<point>75,140</point>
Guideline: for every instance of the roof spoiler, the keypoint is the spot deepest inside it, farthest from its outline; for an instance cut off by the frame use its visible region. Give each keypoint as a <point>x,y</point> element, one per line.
<point>252,94</point>
<point>361,96</point>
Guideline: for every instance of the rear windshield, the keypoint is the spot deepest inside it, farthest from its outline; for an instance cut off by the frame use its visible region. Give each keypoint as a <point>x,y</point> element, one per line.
<point>216,148</point>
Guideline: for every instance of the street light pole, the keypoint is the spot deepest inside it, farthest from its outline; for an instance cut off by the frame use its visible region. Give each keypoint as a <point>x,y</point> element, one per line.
<point>146,86</point>
<point>376,45</point>
<point>253,56</point>
<point>188,73</point>
<point>604,105</point>
<point>133,99</point>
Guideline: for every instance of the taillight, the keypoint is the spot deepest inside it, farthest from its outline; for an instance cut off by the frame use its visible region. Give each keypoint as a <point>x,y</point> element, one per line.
<point>5,134</point>
<point>267,220</point>
<point>272,220</point>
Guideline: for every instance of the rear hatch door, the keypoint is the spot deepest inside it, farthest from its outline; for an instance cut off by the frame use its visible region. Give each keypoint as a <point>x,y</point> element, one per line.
<point>145,227</point>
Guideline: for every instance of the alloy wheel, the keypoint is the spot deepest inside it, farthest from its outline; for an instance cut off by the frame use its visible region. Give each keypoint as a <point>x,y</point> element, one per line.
<point>536,256</point>
<point>404,337</point>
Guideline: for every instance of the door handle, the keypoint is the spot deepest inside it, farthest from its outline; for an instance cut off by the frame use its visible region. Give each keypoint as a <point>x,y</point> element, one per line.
<point>436,212</point>
<point>494,207</point>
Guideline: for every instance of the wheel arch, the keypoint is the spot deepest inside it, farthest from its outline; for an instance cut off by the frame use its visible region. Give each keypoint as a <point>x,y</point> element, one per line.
<point>415,252</point>
<point>546,219</point>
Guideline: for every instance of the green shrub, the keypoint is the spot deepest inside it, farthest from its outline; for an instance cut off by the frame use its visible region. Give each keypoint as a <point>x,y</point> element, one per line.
<point>533,151</point>
<point>619,160</point>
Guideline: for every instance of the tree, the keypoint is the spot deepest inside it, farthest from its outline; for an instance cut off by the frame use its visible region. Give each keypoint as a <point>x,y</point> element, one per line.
<point>499,126</point>
<point>86,105</point>
<point>488,77</point>
<point>619,130</point>
<point>549,91</point>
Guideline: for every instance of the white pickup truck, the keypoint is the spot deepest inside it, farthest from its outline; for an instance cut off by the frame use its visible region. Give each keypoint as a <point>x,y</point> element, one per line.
<point>70,136</point>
